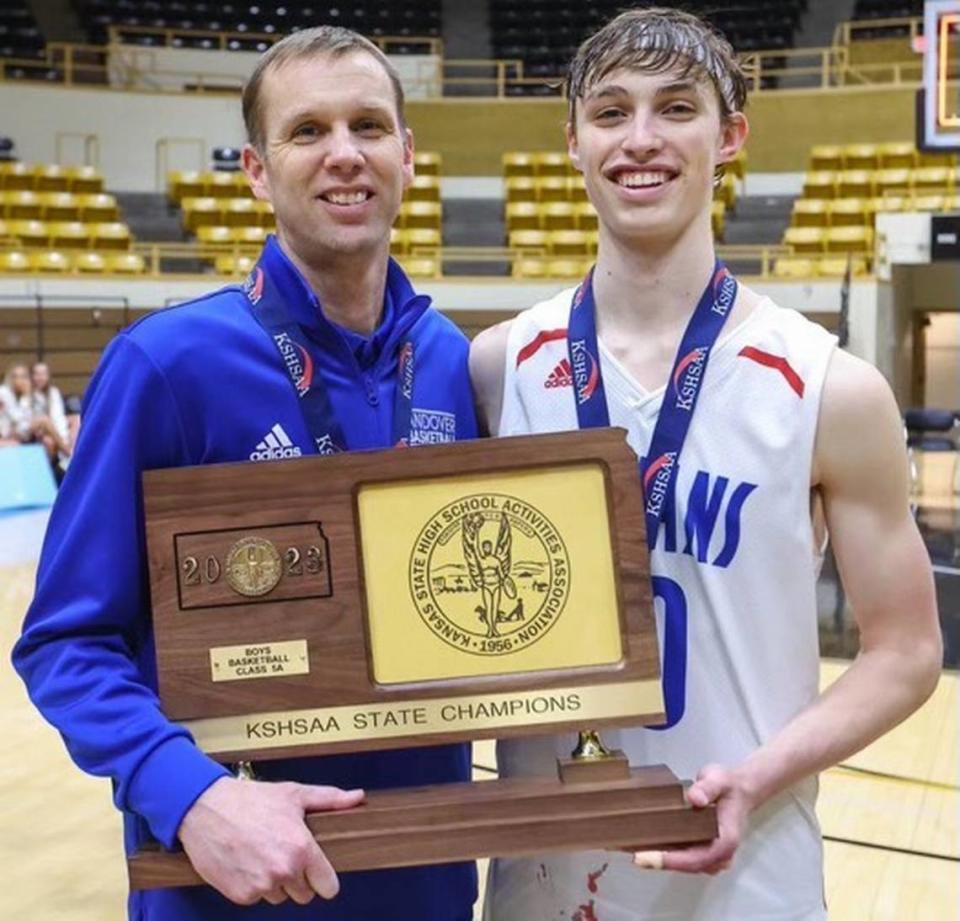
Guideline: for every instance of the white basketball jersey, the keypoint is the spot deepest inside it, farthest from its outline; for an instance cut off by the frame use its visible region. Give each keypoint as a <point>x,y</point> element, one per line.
<point>738,542</point>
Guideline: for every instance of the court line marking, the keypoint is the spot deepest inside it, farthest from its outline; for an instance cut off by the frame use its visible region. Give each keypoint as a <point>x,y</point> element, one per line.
<point>895,850</point>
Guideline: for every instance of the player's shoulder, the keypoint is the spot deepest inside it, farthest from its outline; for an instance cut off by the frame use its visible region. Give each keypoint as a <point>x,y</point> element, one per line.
<point>163,326</point>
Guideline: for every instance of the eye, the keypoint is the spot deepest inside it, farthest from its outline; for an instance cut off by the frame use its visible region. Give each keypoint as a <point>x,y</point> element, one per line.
<point>679,107</point>
<point>303,134</point>
<point>370,127</point>
<point>609,114</point>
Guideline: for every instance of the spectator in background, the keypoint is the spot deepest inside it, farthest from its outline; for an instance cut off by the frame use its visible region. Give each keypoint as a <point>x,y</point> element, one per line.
<point>20,417</point>
<point>47,402</point>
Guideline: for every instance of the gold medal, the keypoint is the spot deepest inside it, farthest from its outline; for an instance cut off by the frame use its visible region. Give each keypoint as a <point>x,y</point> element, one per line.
<point>253,566</point>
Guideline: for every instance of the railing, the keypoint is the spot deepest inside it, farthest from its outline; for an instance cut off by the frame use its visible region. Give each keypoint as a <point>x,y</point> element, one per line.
<point>856,30</point>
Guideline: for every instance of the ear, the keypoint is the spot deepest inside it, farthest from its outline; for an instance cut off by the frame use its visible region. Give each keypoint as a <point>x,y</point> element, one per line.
<point>407,157</point>
<point>573,149</point>
<point>733,135</point>
<point>255,168</point>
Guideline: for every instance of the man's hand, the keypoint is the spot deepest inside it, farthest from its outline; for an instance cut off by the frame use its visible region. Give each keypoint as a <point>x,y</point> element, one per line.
<point>734,803</point>
<point>249,841</point>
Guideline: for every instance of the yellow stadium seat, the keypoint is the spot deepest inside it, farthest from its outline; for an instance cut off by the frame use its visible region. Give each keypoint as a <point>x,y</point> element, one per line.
<point>4,231</point>
<point>420,267</point>
<point>398,241</point>
<point>791,267</point>
<point>183,184</point>
<point>849,240</point>
<point>551,163</point>
<point>897,155</point>
<point>855,183</point>
<point>892,180</point>
<point>553,188</point>
<point>726,191</point>
<point>250,236</point>
<point>97,206</point>
<point>91,263</point>
<point>521,188</point>
<point>234,265</point>
<point>529,268</point>
<point>577,191</point>
<point>239,212</point>
<point>930,158</point>
<point>517,163</point>
<point>952,202</point>
<point>12,260</point>
<point>819,185</point>
<point>84,179</point>
<point>586,216</point>
<point>21,203</point>
<point>215,234</point>
<point>568,243</point>
<point>219,185</point>
<point>199,212</point>
<point>851,212</point>
<point>49,260</point>
<point>112,235</point>
<point>16,176</point>
<point>718,211</point>
<point>529,240</point>
<point>558,215</point>
<point>567,268</point>
<point>810,212</point>
<point>861,156</point>
<point>126,263</point>
<point>50,177</point>
<point>29,232</point>
<point>59,206</point>
<point>837,268</point>
<point>69,235</point>
<point>593,241</point>
<point>930,203</point>
<point>826,157</point>
<point>883,203</point>
<point>420,238</point>
<point>424,188</point>
<point>805,239</point>
<point>421,214</point>
<point>427,163</point>
<point>928,180</point>
<point>264,213</point>
<point>522,215</point>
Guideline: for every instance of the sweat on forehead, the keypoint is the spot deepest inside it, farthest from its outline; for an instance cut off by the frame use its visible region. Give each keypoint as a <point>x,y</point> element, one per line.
<point>659,41</point>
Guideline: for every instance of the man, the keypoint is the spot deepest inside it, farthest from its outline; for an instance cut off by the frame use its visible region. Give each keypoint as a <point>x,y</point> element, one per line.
<point>761,416</point>
<point>304,358</point>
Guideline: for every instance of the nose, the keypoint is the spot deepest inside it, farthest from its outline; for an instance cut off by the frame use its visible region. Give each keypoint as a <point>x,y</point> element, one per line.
<point>642,138</point>
<point>343,152</point>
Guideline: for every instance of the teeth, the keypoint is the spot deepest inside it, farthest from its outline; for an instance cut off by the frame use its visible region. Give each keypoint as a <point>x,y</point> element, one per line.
<point>636,180</point>
<point>346,198</point>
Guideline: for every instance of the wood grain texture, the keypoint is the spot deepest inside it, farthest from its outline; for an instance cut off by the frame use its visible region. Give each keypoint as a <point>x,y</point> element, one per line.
<point>427,825</point>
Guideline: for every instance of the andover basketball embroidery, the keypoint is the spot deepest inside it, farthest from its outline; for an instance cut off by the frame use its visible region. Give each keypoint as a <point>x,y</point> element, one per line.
<point>489,574</point>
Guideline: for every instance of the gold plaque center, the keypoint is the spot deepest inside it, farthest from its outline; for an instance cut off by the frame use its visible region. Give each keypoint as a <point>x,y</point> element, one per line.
<point>253,566</point>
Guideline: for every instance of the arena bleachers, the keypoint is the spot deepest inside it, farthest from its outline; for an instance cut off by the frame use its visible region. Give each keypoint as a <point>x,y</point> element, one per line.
<point>19,35</point>
<point>260,20</point>
<point>883,10</point>
<point>544,34</point>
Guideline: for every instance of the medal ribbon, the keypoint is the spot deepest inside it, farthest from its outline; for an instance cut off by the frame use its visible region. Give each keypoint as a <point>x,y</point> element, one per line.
<point>659,469</point>
<point>302,363</point>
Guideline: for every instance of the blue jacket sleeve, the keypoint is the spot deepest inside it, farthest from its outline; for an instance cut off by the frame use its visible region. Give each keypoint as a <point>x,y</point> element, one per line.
<point>87,653</point>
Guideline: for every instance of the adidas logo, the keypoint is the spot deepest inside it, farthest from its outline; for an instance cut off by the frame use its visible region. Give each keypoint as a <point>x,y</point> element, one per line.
<point>276,445</point>
<point>560,376</point>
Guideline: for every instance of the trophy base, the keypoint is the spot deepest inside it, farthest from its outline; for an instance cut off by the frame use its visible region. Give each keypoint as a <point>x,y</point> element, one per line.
<point>503,818</point>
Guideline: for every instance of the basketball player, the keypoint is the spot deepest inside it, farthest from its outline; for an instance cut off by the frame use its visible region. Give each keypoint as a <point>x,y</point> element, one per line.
<point>326,348</point>
<point>746,417</point>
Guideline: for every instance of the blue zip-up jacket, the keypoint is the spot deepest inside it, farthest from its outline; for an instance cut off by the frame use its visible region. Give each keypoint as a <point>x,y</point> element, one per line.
<point>202,383</point>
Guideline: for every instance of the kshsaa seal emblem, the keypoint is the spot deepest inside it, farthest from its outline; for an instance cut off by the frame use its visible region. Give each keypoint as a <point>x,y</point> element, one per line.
<point>489,574</point>
<point>253,567</point>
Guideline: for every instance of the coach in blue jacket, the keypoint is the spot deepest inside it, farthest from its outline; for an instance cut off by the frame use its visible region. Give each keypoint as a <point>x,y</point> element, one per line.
<point>304,358</point>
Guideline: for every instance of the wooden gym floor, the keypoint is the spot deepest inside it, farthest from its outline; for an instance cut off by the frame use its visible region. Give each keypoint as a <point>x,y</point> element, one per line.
<point>889,815</point>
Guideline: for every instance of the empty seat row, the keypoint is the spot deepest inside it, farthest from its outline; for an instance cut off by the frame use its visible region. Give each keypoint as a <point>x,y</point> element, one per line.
<point>537,268</point>
<point>829,239</point>
<point>797,267</point>
<point>30,261</point>
<point>837,212</point>
<point>869,183</point>
<point>67,234</point>
<point>414,266</point>
<point>889,155</point>
<point>59,206</point>
<point>49,177</point>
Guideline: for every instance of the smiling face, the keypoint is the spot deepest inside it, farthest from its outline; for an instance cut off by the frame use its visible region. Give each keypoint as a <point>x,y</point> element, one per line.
<point>648,145</point>
<point>335,159</point>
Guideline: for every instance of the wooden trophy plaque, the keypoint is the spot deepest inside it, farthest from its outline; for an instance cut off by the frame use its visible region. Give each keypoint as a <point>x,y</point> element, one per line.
<point>484,589</point>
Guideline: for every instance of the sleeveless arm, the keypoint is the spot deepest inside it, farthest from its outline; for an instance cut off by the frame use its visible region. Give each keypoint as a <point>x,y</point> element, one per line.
<point>488,354</point>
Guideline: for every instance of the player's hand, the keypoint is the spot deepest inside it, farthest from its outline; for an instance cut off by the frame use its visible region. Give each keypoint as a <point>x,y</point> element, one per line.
<point>249,841</point>
<point>734,803</point>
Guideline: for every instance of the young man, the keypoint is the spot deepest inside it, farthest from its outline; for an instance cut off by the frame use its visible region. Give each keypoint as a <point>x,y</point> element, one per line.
<point>302,359</point>
<point>735,455</point>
